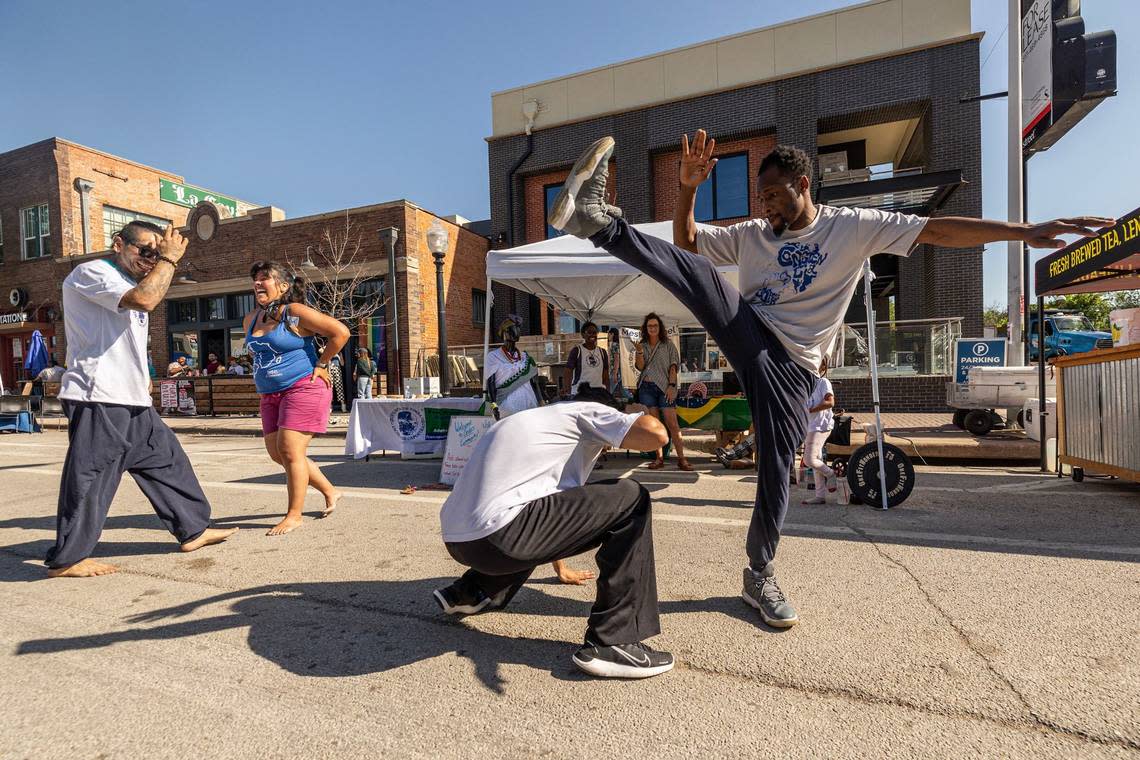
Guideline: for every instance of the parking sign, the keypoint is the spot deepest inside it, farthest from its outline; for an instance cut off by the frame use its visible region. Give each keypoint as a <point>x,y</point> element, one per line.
<point>977,352</point>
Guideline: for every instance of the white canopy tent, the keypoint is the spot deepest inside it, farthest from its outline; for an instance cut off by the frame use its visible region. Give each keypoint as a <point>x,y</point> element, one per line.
<point>587,282</point>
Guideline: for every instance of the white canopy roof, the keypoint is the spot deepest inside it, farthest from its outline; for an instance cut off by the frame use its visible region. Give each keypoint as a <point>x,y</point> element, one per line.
<point>589,283</point>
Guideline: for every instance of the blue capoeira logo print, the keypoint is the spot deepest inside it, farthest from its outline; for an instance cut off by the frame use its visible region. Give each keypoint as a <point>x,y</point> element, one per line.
<point>803,258</point>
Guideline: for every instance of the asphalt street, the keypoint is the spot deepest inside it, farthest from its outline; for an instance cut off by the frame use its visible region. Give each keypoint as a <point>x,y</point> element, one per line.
<point>994,614</point>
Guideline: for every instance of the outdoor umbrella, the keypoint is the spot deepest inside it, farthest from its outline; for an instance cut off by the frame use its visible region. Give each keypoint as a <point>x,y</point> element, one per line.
<point>37,355</point>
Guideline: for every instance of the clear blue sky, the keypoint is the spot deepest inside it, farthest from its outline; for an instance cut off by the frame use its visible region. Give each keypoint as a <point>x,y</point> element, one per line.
<point>313,107</point>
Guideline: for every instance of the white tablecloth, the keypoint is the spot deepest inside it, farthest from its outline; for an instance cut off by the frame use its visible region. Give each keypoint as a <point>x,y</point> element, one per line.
<point>410,426</point>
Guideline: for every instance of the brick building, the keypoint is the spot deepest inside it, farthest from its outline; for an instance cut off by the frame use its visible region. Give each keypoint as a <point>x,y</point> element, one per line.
<point>212,293</point>
<point>871,92</point>
<point>59,201</point>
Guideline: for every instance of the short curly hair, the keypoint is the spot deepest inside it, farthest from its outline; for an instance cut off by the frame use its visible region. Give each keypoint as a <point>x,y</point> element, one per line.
<point>789,160</point>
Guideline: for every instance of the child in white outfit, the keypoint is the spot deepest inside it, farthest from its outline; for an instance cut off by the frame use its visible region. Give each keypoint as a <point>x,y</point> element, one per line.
<point>820,423</point>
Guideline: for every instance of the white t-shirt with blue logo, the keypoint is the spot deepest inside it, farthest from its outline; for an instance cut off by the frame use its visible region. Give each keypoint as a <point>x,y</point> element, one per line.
<point>106,344</point>
<point>801,282</point>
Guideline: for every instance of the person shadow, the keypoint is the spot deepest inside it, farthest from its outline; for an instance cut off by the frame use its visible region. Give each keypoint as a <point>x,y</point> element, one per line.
<point>353,628</point>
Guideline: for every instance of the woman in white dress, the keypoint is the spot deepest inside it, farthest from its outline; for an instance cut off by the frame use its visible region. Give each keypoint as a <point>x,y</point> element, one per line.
<point>510,374</point>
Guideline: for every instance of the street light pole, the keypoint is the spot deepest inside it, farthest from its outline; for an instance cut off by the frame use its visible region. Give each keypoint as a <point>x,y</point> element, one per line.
<point>1015,287</point>
<point>437,244</point>
<point>388,237</point>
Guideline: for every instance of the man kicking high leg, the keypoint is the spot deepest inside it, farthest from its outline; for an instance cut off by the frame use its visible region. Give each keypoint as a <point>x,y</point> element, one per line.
<point>522,501</point>
<point>112,426</point>
<point>799,266</point>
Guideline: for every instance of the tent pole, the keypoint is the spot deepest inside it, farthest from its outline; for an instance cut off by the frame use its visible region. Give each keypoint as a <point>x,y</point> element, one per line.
<point>487,328</point>
<point>868,276</point>
<point>1041,409</point>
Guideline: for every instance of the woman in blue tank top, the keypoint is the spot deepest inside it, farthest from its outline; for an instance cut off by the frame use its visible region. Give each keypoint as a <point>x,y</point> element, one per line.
<point>294,383</point>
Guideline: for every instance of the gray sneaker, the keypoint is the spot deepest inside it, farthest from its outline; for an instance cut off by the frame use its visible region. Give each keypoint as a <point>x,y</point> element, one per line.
<point>580,208</point>
<point>762,592</point>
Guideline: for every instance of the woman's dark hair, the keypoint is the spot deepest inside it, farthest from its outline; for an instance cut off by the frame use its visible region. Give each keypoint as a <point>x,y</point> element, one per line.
<point>645,327</point>
<point>296,291</point>
<point>586,326</point>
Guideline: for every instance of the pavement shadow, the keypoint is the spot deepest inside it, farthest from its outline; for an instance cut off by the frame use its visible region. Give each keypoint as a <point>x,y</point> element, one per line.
<point>339,629</point>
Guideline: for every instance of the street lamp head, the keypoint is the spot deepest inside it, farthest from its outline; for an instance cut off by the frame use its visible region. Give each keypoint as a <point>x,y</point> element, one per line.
<point>437,239</point>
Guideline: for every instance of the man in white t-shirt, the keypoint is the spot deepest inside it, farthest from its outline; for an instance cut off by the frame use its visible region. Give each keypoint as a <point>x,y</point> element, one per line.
<point>112,424</point>
<point>522,500</point>
<point>799,266</point>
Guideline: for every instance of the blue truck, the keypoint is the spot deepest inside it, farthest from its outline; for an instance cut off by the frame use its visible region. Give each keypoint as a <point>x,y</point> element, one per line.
<point>1066,333</point>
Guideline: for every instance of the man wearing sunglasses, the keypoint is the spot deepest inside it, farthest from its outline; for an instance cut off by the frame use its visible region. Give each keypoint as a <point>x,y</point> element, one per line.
<point>112,424</point>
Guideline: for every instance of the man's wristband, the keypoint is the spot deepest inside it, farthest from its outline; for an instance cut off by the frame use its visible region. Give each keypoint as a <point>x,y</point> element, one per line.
<point>322,365</point>
<point>671,385</point>
<point>168,260</point>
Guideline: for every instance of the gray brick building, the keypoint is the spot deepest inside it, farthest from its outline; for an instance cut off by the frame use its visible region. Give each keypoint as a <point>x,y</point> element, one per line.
<point>872,92</point>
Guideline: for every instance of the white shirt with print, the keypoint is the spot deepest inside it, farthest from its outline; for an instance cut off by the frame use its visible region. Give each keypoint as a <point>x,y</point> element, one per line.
<point>524,457</point>
<point>801,282</point>
<point>823,420</point>
<point>106,344</point>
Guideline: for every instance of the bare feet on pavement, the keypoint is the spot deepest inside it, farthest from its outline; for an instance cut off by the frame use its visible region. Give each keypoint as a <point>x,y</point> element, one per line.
<point>286,525</point>
<point>84,568</point>
<point>209,536</point>
<point>331,502</point>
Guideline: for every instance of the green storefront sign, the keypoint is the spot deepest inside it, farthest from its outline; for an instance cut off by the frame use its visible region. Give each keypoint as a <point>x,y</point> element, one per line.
<point>190,196</point>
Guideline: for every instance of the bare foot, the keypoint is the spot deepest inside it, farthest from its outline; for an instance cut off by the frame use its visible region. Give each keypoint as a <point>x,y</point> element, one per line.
<point>331,502</point>
<point>209,536</point>
<point>286,525</point>
<point>84,568</point>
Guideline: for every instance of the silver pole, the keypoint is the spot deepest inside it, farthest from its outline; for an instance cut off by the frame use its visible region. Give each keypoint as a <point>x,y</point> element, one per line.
<point>868,276</point>
<point>1015,288</point>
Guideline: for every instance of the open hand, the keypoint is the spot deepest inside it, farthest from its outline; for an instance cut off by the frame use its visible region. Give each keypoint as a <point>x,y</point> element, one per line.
<point>172,245</point>
<point>1046,234</point>
<point>698,163</point>
<point>572,577</point>
<point>323,374</point>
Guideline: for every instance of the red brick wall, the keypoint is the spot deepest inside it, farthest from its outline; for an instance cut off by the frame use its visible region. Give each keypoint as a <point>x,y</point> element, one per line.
<point>240,242</point>
<point>119,183</point>
<point>666,169</point>
<point>923,393</point>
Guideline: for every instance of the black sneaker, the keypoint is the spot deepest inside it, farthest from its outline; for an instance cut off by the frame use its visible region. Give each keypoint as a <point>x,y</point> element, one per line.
<point>461,598</point>
<point>722,456</point>
<point>762,592</point>
<point>622,660</point>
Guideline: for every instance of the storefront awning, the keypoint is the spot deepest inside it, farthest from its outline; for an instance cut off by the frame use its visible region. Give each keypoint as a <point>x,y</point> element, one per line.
<point>920,194</point>
<point>1107,261</point>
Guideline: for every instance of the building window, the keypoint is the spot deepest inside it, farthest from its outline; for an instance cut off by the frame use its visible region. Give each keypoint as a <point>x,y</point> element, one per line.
<point>183,311</point>
<point>725,194</point>
<point>240,305</point>
<point>1,240</point>
<point>550,192</point>
<point>35,231</point>
<point>215,308</point>
<point>115,219</point>
<point>478,307</point>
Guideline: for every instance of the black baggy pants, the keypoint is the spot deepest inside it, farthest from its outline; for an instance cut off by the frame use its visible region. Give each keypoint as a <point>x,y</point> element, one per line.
<point>777,388</point>
<point>104,441</point>
<point>611,515</point>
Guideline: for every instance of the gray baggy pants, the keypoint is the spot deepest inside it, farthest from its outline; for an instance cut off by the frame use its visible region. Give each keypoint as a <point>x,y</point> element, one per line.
<point>104,441</point>
<point>777,388</point>
<point>613,516</point>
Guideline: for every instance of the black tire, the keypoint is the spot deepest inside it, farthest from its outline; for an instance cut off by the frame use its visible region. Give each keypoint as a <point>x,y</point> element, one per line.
<point>960,419</point>
<point>863,475</point>
<point>1078,474</point>
<point>1021,419</point>
<point>979,421</point>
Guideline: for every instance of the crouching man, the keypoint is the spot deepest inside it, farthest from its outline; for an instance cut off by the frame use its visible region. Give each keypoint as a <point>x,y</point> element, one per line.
<point>523,501</point>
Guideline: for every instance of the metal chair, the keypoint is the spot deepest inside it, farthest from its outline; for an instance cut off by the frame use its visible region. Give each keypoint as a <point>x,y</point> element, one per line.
<point>52,407</point>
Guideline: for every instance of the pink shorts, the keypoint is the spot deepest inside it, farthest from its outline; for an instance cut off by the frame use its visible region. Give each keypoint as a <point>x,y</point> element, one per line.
<point>304,406</point>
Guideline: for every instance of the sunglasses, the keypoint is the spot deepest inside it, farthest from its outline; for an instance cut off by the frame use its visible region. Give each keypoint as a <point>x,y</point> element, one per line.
<point>150,254</point>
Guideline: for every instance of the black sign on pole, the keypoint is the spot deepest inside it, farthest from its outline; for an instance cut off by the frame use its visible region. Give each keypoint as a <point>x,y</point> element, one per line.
<point>1065,72</point>
<point>1107,261</point>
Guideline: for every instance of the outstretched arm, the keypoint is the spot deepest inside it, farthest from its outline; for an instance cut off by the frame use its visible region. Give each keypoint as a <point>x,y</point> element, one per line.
<point>646,434</point>
<point>962,232</point>
<point>696,166</point>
